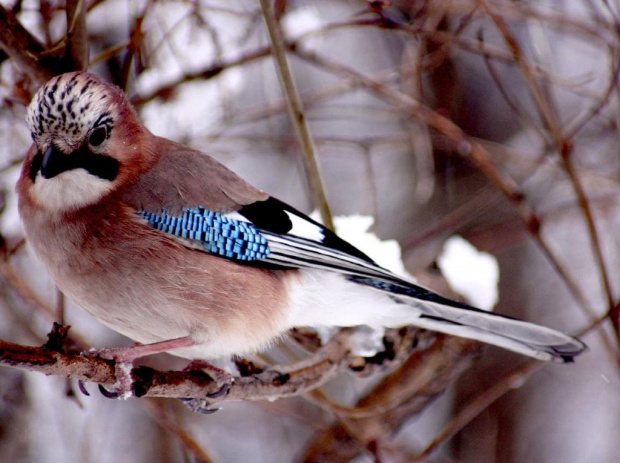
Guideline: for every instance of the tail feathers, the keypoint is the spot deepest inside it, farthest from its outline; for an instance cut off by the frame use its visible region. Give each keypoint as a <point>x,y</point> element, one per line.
<point>514,335</point>
<point>444,315</point>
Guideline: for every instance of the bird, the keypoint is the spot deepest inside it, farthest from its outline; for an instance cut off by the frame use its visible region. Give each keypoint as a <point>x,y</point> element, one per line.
<point>167,246</point>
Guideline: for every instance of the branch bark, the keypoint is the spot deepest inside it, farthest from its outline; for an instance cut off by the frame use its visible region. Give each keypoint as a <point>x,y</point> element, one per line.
<point>23,48</point>
<point>255,384</point>
<point>436,360</point>
<point>76,51</point>
<point>279,381</point>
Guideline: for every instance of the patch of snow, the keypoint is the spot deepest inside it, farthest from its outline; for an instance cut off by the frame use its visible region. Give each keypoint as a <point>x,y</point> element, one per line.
<point>471,273</point>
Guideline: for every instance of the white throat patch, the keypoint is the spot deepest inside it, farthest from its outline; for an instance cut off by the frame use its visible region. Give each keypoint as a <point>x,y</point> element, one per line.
<point>69,190</point>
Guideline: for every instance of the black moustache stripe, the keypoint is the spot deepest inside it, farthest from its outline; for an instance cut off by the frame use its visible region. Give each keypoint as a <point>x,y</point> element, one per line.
<point>104,167</point>
<point>35,167</point>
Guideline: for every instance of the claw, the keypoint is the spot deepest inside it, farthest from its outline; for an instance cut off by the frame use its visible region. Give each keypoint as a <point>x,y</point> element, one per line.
<point>123,388</point>
<point>207,411</point>
<point>222,391</point>
<point>199,406</point>
<point>217,374</point>
<point>83,388</point>
<point>202,405</point>
<point>108,394</point>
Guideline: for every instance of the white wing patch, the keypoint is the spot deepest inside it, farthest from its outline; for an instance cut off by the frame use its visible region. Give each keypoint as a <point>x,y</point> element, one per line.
<point>304,229</point>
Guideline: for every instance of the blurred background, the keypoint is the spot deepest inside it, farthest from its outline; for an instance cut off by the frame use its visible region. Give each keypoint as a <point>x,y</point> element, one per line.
<point>496,121</point>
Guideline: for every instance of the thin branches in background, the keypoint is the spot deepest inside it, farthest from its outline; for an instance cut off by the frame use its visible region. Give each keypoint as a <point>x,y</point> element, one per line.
<point>493,120</point>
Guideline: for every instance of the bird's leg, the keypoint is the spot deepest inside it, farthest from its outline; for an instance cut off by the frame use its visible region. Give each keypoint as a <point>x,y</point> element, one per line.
<point>131,353</point>
<point>124,357</point>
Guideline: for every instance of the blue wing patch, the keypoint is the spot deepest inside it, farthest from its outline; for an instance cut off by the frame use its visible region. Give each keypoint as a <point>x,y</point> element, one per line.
<point>217,233</point>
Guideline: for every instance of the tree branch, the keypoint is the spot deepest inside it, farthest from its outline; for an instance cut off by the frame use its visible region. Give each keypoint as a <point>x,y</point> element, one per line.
<point>298,117</point>
<point>76,51</point>
<point>252,384</point>
<point>23,47</point>
<point>378,416</point>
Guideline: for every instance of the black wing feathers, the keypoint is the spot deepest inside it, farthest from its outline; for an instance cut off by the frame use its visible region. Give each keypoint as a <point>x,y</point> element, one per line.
<point>271,215</point>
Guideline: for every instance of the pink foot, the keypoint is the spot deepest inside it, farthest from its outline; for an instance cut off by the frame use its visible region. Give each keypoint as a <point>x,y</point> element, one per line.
<point>124,357</point>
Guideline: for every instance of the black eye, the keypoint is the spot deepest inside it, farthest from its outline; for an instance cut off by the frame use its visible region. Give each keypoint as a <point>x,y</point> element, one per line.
<point>98,136</point>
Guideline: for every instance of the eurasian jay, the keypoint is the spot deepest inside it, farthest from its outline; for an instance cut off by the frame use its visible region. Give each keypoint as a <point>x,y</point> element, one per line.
<point>167,246</point>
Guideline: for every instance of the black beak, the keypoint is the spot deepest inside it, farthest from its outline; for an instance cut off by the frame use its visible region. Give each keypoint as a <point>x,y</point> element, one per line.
<point>54,162</point>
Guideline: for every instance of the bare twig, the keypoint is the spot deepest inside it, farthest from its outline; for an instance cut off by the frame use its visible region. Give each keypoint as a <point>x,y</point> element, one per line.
<point>166,419</point>
<point>485,399</point>
<point>546,109</point>
<point>52,362</point>
<point>22,47</point>
<point>597,249</point>
<point>564,147</point>
<point>408,391</point>
<point>76,54</point>
<point>298,117</point>
<point>480,403</point>
<point>465,146</point>
<point>273,382</point>
<point>207,73</point>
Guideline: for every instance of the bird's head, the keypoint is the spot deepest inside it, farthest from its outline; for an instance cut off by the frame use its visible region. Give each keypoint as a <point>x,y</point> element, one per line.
<point>87,141</point>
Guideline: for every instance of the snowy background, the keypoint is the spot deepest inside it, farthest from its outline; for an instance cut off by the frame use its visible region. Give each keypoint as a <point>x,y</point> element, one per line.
<point>200,72</point>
